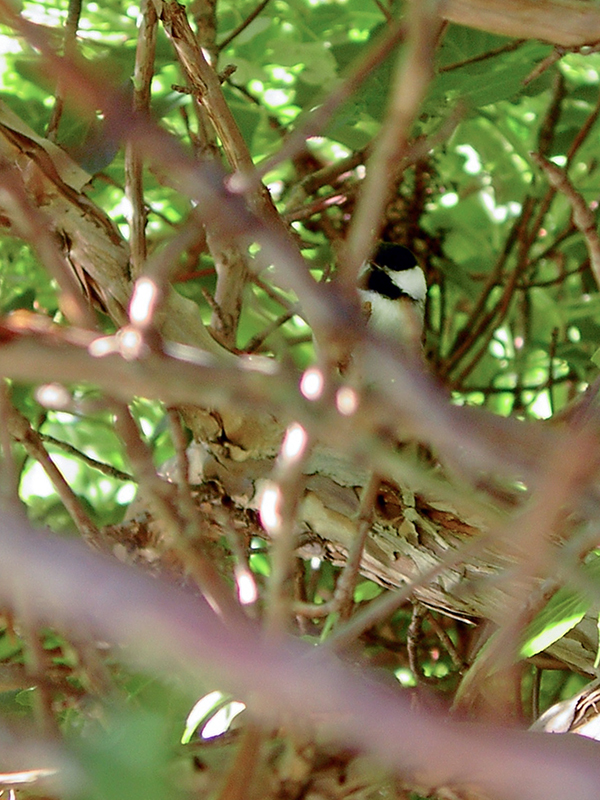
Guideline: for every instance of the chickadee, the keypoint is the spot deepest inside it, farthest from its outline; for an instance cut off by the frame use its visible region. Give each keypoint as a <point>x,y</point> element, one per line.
<point>393,289</point>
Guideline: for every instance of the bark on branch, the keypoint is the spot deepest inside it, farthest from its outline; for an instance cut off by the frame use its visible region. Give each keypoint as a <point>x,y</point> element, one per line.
<point>571,23</point>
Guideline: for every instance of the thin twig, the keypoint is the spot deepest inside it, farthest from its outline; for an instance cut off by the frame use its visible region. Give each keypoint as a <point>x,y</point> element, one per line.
<point>257,341</point>
<point>69,49</point>
<point>344,590</point>
<point>278,511</point>
<point>134,185</point>
<point>326,176</point>
<point>446,641</point>
<point>9,474</point>
<point>583,217</point>
<point>243,25</point>
<point>321,204</point>
<point>314,122</point>
<point>161,496</point>
<point>583,132</point>
<point>101,466</point>
<point>545,64</point>
<point>506,48</point>
<point>414,71</point>
<point>552,116</point>
<point>31,441</point>
<point>413,639</point>
<point>34,226</point>
<point>276,295</point>
<point>550,379</point>
<point>536,685</point>
<point>214,306</point>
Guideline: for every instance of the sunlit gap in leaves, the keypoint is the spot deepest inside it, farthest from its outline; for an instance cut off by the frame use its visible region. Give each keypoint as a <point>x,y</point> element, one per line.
<point>472,165</point>
<point>44,15</point>
<point>499,213</point>
<point>35,482</point>
<point>9,46</point>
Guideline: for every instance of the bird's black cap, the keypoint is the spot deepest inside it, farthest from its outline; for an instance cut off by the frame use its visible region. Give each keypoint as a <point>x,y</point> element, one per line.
<point>388,258</point>
<point>395,257</point>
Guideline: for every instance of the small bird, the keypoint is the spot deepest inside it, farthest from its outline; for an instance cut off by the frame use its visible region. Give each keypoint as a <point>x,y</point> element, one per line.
<point>393,289</point>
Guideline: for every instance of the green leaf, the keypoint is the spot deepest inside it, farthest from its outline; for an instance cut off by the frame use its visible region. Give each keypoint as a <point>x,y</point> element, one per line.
<point>563,612</point>
<point>491,80</point>
<point>557,619</point>
<point>366,590</point>
<point>317,62</point>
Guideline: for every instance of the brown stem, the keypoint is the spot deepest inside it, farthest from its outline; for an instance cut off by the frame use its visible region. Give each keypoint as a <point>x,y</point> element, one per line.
<point>162,498</point>
<point>243,25</point>
<point>314,122</point>
<point>34,226</point>
<point>23,433</point>
<point>344,591</point>
<point>583,216</point>
<point>414,71</point>
<point>134,185</point>
<point>105,469</point>
<point>69,49</point>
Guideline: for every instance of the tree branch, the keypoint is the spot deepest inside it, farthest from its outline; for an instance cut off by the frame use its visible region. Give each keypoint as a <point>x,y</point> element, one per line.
<point>565,22</point>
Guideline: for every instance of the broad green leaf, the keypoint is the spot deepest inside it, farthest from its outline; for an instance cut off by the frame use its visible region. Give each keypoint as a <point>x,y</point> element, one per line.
<point>488,81</point>
<point>462,43</point>
<point>558,618</point>
<point>564,611</point>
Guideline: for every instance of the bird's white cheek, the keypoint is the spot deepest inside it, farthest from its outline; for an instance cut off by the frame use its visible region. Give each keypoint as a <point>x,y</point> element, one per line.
<point>411,281</point>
